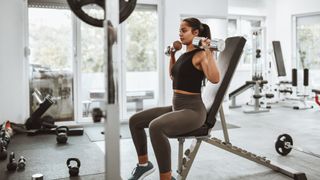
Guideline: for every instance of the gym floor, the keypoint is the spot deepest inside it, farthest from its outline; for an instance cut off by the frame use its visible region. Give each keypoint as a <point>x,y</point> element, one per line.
<point>256,134</point>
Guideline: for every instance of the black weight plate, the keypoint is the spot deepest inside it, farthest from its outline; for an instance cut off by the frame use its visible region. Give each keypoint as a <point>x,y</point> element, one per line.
<point>76,7</point>
<point>126,7</point>
<point>280,144</point>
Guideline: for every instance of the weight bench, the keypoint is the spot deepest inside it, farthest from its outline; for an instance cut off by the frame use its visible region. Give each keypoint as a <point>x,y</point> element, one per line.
<point>212,96</point>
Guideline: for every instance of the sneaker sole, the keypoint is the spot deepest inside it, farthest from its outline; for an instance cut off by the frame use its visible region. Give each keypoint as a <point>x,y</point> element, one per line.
<point>147,173</point>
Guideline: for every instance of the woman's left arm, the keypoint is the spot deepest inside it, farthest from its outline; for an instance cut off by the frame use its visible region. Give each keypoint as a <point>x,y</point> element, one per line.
<point>209,66</point>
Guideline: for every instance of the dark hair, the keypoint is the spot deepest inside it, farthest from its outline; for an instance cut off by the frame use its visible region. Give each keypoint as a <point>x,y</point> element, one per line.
<point>195,24</point>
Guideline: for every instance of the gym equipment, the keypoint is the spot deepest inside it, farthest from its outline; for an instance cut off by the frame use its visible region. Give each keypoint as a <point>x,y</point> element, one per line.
<point>37,176</point>
<point>176,46</point>
<point>126,7</point>
<point>74,130</point>
<point>112,127</point>
<point>35,121</point>
<point>317,94</point>
<point>73,170</point>
<point>213,95</point>
<point>257,82</point>
<point>296,100</point>
<point>62,134</point>
<point>284,145</point>
<point>4,142</point>
<point>21,163</point>
<point>12,165</point>
<point>97,114</point>
<point>3,152</point>
<point>215,44</point>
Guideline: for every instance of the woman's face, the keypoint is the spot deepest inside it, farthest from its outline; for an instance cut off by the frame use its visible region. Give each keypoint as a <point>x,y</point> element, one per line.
<point>186,34</point>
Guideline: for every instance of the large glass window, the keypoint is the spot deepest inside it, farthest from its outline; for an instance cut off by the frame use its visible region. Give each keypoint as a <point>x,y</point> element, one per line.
<point>141,44</point>
<point>307,47</point>
<point>50,42</point>
<point>92,69</point>
<point>243,26</point>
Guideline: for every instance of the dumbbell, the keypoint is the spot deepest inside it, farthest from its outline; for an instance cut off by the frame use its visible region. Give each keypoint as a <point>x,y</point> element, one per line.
<point>73,170</point>
<point>62,134</point>
<point>215,44</point>
<point>284,145</point>
<point>12,165</point>
<point>176,46</point>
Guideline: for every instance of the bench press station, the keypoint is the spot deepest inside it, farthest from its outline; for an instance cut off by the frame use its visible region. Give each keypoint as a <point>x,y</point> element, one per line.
<point>213,95</point>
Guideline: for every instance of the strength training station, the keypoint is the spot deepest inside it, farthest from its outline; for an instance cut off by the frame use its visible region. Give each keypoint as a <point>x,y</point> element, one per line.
<point>159,89</point>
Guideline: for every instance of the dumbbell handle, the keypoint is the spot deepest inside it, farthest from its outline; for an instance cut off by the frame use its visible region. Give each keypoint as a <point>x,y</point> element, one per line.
<point>176,47</point>
<point>215,44</point>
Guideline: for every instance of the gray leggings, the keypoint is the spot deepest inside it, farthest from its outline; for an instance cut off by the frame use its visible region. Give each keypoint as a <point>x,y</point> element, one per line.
<point>187,114</point>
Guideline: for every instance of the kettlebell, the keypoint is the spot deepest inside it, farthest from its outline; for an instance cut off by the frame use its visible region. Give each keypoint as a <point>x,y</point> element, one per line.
<point>12,165</point>
<point>62,134</point>
<point>21,163</point>
<point>73,170</point>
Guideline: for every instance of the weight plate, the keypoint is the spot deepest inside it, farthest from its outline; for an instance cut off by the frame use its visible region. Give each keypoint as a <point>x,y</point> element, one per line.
<point>126,7</point>
<point>281,146</point>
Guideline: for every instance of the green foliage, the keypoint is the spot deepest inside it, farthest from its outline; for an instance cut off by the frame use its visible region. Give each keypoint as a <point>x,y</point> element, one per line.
<point>92,43</point>
<point>308,45</point>
<point>141,43</point>
<point>51,45</point>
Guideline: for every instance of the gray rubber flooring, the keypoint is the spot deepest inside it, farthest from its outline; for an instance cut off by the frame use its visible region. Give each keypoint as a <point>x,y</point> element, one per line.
<point>257,134</point>
<point>43,155</point>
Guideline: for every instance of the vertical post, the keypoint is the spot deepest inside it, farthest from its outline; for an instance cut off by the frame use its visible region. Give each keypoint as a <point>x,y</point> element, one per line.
<point>224,125</point>
<point>111,61</point>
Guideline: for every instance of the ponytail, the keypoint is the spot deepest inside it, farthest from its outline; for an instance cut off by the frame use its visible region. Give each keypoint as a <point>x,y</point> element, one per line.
<point>205,31</point>
<point>195,24</point>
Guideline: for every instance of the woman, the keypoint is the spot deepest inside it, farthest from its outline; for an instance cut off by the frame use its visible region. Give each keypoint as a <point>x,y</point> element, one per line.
<point>187,112</point>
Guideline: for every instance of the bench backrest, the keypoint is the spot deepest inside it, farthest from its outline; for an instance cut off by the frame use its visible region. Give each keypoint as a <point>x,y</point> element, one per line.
<point>279,58</point>
<point>213,94</point>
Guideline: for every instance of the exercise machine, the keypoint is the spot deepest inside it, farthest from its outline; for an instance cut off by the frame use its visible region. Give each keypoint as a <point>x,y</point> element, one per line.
<point>213,95</point>
<point>115,12</point>
<point>296,100</point>
<point>257,82</point>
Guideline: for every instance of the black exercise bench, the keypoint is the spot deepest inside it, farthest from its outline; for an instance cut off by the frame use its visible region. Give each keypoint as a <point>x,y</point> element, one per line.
<point>213,95</point>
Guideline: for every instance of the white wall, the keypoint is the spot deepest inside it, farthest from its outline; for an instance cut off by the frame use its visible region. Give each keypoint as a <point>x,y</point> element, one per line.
<point>13,95</point>
<point>173,9</point>
<point>281,26</point>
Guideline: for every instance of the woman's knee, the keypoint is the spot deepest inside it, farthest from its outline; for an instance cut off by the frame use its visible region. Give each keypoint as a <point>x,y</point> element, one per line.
<point>155,128</point>
<point>133,121</point>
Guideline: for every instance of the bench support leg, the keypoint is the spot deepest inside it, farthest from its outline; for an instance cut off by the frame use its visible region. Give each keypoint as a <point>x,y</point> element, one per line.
<point>185,162</point>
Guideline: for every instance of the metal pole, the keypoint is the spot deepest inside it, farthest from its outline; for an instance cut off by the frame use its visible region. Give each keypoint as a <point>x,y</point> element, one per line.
<point>112,126</point>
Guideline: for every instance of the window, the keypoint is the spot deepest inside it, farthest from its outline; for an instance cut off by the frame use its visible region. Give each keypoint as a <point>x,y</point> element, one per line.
<point>243,26</point>
<point>50,42</point>
<point>307,46</point>
<point>141,48</point>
